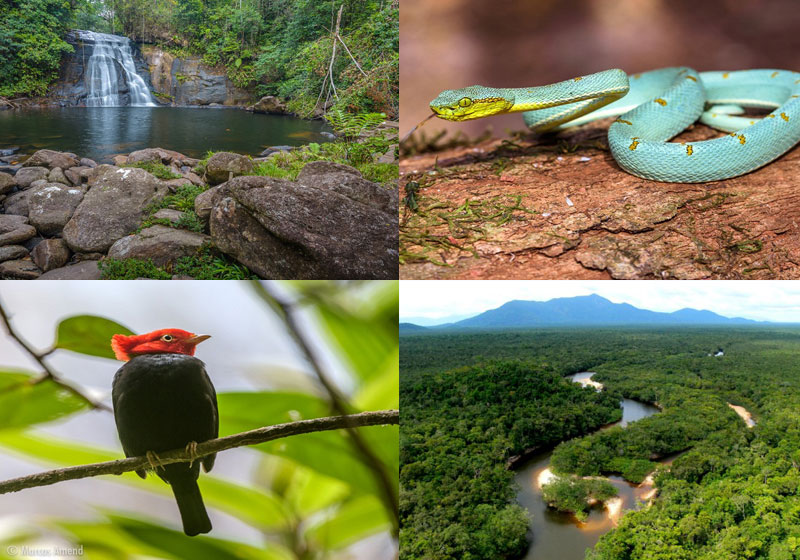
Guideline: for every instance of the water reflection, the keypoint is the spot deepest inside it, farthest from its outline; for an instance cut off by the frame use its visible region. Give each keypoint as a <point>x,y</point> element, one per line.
<point>101,132</point>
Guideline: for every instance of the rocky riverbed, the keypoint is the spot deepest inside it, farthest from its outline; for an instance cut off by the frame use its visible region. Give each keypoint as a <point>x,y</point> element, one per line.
<point>61,215</point>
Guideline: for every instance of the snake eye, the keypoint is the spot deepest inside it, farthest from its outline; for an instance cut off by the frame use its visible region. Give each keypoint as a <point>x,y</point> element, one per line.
<point>464,102</point>
<point>167,338</point>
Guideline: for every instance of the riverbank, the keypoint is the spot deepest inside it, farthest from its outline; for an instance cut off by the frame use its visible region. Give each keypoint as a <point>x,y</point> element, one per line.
<point>157,213</point>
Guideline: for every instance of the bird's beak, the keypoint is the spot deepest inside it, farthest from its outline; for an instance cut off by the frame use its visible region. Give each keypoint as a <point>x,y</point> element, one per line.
<point>197,339</point>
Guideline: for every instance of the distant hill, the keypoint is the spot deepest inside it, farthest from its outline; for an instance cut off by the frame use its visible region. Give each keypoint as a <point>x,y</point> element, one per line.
<point>406,328</point>
<point>590,310</point>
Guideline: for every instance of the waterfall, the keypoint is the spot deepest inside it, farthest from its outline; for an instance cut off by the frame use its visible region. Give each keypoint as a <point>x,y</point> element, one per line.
<point>111,73</point>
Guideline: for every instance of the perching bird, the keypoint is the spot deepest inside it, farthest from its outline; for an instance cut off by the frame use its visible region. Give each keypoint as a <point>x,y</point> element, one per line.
<point>163,400</point>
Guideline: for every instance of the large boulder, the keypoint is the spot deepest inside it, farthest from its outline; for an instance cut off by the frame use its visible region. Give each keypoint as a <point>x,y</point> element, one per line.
<point>86,270</point>
<point>50,254</point>
<point>57,176</point>
<point>52,159</point>
<point>113,207</point>
<point>17,236</point>
<point>9,222</point>
<point>154,155</point>
<point>161,244</point>
<point>330,223</point>
<point>12,252</point>
<point>205,201</point>
<point>51,206</point>
<point>269,104</point>
<point>23,269</point>
<point>7,183</point>
<point>17,203</point>
<point>28,175</point>
<point>222,165</point>
<point>74,174</point>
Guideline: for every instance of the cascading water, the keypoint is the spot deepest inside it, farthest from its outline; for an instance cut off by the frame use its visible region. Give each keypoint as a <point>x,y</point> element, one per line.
<point>111,72</point>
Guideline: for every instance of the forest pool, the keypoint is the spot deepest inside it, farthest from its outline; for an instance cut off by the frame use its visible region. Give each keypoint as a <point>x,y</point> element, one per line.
<point>560,536</point>
<point>102,132</point>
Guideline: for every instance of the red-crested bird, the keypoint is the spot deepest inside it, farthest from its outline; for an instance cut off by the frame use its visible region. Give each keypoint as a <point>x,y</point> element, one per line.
<point>163,400</point>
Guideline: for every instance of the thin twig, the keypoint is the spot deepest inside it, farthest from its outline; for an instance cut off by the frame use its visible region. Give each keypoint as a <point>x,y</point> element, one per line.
<point>252,437</point>
<point>48,373</point>
<point>338,403</point>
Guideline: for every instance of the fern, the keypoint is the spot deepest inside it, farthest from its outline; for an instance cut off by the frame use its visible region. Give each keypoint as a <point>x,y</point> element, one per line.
<point>351,126</point>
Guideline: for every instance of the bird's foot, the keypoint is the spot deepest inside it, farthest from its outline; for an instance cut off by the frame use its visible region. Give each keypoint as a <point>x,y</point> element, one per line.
<point>152,458</point>
<point>191,449</point>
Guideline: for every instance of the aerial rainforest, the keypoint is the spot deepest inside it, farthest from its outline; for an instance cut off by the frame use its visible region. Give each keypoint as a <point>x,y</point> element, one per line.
<point>476,406</point>
<point>207,139</point>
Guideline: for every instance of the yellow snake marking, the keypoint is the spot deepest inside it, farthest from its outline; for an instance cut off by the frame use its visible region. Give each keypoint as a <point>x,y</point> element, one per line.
<point>771,116</point>
<point>624,121</point>
<point>733,134</point>
<point>637,76</point>
<point>660,101</point>
<point>774,74</point>
<point>714,115</point>
<point>785,117</point>
<point>797,81</point>
<point>726,74</point>
<point>635,142</point>
<point>741,139</point>
<point>752,122</point>
<point>689,150</point>
<point>578,79</point>
<point>691,78</point>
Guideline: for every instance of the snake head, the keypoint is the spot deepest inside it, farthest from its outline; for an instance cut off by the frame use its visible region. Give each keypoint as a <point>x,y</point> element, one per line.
<point>473,102</point>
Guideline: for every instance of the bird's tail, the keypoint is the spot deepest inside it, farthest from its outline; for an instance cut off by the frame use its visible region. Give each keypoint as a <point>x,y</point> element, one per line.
<point>190,504</point>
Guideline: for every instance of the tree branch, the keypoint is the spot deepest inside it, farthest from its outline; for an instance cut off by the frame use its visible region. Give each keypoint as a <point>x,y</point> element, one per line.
<point>48,374</point>
<point>252,437</point>
<point>339,403</point>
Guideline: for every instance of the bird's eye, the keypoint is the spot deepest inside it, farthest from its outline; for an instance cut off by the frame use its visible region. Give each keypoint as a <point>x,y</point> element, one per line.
<point>167,338</point>
<point>464,102</point>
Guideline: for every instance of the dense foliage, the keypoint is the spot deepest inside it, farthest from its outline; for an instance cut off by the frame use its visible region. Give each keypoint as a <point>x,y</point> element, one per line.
<point>459,428</point>
<point>279,47</point>
<point>31,44</point>
<point>734,494</point>
<point>576,495</point>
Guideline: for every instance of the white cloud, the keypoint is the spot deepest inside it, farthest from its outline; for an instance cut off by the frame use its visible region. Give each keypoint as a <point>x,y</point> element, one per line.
<point>773,300</point>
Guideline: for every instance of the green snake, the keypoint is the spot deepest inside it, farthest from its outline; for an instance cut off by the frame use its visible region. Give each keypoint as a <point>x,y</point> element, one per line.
<point>652,108</point>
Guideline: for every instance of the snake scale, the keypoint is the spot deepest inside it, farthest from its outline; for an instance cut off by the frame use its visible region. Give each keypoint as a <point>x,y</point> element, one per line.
<point>652,108</point>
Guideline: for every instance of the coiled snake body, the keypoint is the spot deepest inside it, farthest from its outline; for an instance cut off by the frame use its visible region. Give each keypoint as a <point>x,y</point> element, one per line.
<point>653,107</point>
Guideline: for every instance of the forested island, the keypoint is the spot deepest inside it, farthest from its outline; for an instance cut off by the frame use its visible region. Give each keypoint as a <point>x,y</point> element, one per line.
<point>208,139</point>
<point>472,401</point>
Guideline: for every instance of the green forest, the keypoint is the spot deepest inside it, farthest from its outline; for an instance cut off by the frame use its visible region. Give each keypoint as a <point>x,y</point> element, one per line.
<point>734,493</point>
<point>270,47</point>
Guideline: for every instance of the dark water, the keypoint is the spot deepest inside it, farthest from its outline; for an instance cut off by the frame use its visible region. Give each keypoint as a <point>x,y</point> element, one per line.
<point>559,536</point>
<point>101,132</point>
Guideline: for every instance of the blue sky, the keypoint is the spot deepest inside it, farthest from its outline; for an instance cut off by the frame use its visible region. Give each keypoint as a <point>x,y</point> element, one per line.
<point>774,300</point>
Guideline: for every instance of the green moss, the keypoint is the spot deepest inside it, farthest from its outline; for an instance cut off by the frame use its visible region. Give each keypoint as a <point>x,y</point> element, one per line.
<point>183,200</point>
<point>131,269</point>
<point>156,169</point>
<point>208,264</point>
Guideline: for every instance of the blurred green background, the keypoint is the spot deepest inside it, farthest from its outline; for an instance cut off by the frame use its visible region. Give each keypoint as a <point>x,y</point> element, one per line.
<point>306,497</point>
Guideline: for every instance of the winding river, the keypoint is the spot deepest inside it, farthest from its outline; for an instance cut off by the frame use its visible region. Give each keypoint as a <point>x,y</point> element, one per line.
<point>560,536</point>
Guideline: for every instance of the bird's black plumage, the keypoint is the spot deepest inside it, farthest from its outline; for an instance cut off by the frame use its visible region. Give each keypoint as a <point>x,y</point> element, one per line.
<point>164,402</point>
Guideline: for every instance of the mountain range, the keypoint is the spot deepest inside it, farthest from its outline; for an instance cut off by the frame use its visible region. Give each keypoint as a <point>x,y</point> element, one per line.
<point>592,310</point>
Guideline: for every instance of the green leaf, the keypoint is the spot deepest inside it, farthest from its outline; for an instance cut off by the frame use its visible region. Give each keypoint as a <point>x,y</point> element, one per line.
<point>238,62</point>
<point>23,402</point>
<point>354,521</point>
<point>126,537</point>
<point>258,508</point>
<point>383,390</point>
<point>243,411</point>
<point>88,334</point>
